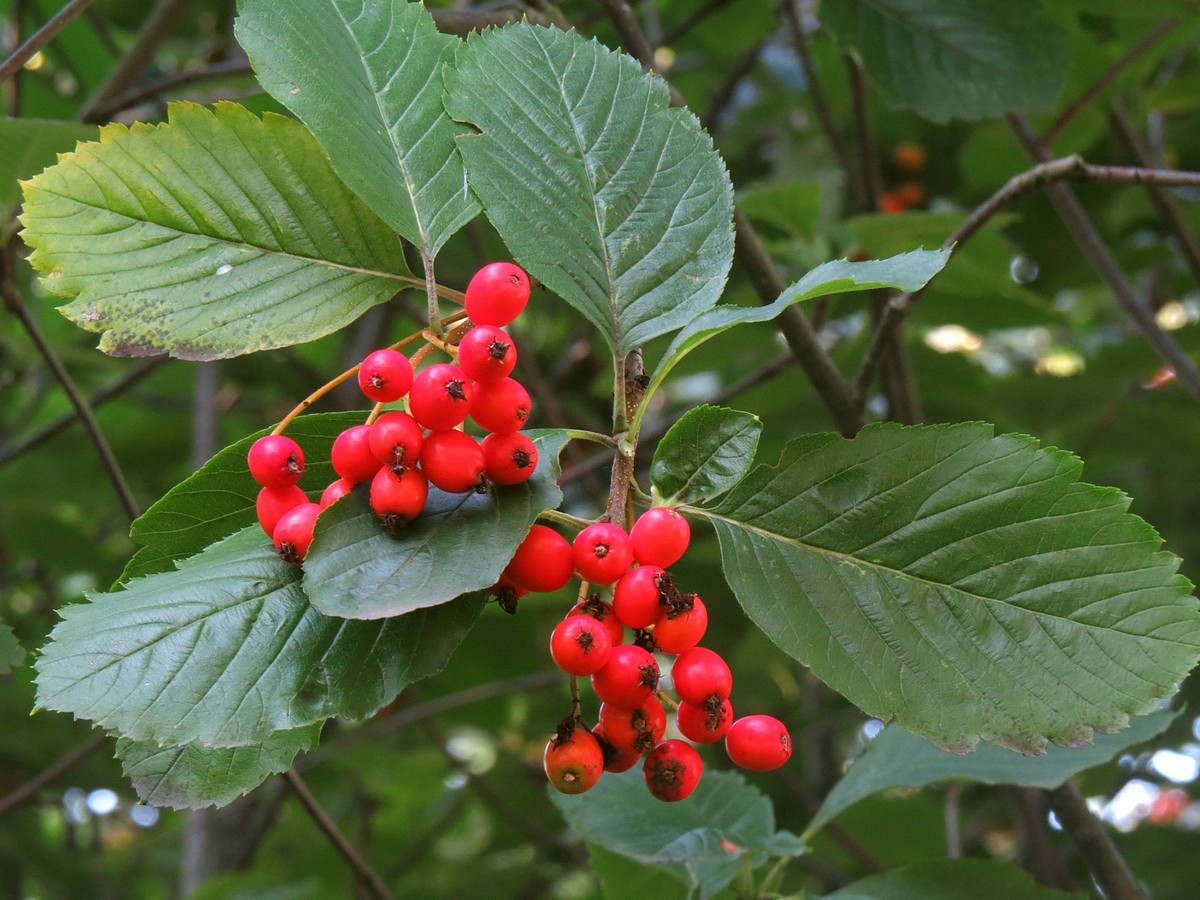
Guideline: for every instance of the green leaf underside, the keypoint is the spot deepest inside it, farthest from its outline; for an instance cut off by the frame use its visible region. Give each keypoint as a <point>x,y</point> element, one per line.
<point>366,78</point>
<point>617,202</point>
<point>705,453</point>
<point>952,879</point>
<point>965,584</point>
<point>895,758</point>
<point>12,654</point>
<point>227,650</point>
<point>192,776</point>
<point>955,58</point>
<point>906,272</point>
<point>218,499</point>
<point>460,543</point>
<point>703,840</point>
<point>214,235</point>
<point>29,145</point>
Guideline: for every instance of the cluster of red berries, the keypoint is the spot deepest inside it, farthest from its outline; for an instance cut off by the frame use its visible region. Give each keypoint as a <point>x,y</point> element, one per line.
<point>625,677</point>
<point>400,452</point>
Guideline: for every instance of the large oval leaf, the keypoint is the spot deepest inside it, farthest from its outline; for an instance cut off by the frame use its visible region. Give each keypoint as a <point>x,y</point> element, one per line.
<point>227,650</point>
<point>965,584</point>
<point>213,235</point>
<point>601,190</point>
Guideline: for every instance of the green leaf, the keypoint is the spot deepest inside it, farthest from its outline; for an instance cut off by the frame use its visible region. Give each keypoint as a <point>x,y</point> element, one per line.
<point>703,840</point>
<point>213,235</point>
<point>192,776</point>
<point>955,58</point>
<point>29,145</point>
<point>227,650</point>
<point>12,654</point>
<point>967,585</point>
<point>951,879</point>
<point>895,758</point>
<point>614,200</point>
<point>218,499</point>
<point>907,272</point>
<point>366,79</point>
<point>460,543</point>
<point>705,453</point>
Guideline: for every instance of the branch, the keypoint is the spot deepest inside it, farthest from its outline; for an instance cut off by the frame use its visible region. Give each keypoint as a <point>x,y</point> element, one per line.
<point>694,19</point>
<point>631,33</point>
<point>868,158</point>
<point>69,760</point>
<point>366,875</point>
<point>1104,861</point>
<point>224,69</point>
<point>41,38</point>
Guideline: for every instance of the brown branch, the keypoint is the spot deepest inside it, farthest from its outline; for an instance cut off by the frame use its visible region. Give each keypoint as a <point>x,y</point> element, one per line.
<point>868,158</point>
<point>726,90</point>
<point>41,38</point>
<point>694,19</point>
<point>1106,78</point>
<point>69,760</point>
<point>463,22</point>
<point>368,877</point>
<point>630,32</point>
<point>224,69</point>
<point>1104,861</point>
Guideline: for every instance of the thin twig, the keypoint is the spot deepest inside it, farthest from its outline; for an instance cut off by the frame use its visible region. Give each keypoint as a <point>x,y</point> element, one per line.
<point>366,875</point>
<point>630,32</point>
<point>1103,859</point>
<point>226,68</point>
<point>41,38</point>
<point>69,760</point>
<point>1106,78</point>
<point>868,158</point>
<point>727,89</point>
<point>693,20</point>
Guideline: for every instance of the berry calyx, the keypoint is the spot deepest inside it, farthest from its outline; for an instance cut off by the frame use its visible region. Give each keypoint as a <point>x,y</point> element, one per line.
<point>601,553</point>
<point>660,537</point>
<point>704,724</point>
<point>758,743</point>
<point>602,612</point>
<point>385,375</point>
<point>486,353</point>
<point>573,760</point>
<point>396,439</point>
<point>275,461</point>
<point>273,502</point>
<point>440,397</point>
<point>294,532</point>
<point>678,629</point>
<point>700,673</point>
<point>628,678</point>
<point>672,770</point>
<point>453,461</point>
<point>542,561</point>
<point>500,406</point>
<point>351,454</point>
<point>509,458</point>
<point>634,729</point>
<point>496,294</point>
<point>579,645</point>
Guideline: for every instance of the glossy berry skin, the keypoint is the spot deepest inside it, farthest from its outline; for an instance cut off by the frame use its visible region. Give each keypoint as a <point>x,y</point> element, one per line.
<point>294,532</point>
<point>486,353</point>
<point>273,502</point>
<point>509,458</point>
<point>660,537</point>
<point>335,492</point>
<point>396,439</point>
<point>542,561</point>
<point>497,294</point>
<point>615,760</point>
<point>573,763</point>
<point>275,461</point>
<point>579,645</point>
<point>453,461</point>
<point>672,770</point>
<point>758,743</point>
<point>602,612</point>
<point>602,553</point>
<point>677,632</point>
<point>636,597</point>
<point>628,678</point>
<point>351,454</point>
<point>398,498</point>
<point>705,724</point>
<point>700,673</point>
<point>634,729</point>
<point>385,376</point>
<point>440,397</point>
<point>500,406</point>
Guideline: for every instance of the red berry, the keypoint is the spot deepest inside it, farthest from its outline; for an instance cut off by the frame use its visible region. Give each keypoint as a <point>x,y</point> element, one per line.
<point>509,458</point>
<point>678,630</point>
<point>351,454</point>
<point>673,770</point>
<point>335,492</point>
<point>496,294</point>
<point>486,353</point>
<point>398,498</point>
<point>601,553</point>
<point>700,673</point>
<point>758,743</point>
<point>385,375</point>
<point>542,562</point>
<point>637,596</point>
<point>628,678</point>
<point>294,532</point>
<point>704,724</point>
<point>396,439</point>
<point>500,406</point>
<point>440,397</point>
<point>602,612</point>
<point>453,461</point>
<point>275,461</point>
<point>660,537</point>
<point>615,760</point>
<point>573,762</point>
<point>580,645</point>
<point>273,502</point>
<point>634,729</point>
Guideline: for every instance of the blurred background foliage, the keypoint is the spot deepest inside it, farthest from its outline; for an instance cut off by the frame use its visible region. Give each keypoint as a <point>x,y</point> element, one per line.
<point>443,791</point>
